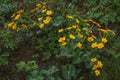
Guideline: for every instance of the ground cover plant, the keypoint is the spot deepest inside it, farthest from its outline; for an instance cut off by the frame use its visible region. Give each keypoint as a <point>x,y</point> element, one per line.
<point>51,40</point>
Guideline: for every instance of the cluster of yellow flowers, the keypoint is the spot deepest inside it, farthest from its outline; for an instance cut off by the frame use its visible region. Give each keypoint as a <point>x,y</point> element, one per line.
<point>99,26</point>
<point>84,36</point>
<point>88,21</point>
<point>106,31</point>
<point>81,34</point>
<point>40,21</point>
<point>15,17</point>
<point>77,31</point>
<point>97,65</point>
<point>43,9</point>
<point>71,36</point>
<point>99,45</point>
<point>62,40</point>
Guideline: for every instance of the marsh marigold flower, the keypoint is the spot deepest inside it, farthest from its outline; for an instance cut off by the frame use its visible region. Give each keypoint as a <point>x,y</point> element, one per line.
<point>38,5</point>
<point>71,36</point>
<point>49,12</point>
<point>104,40</point>
<point>74,26</point>
<point>14,27</point>
<point>24,26</point>
<point>17,16</point>
<point>94,36</point>
<point>94,45</point>
<point>79,45</point>
<point>43,7</point>
<point>102,30</point>
<point>64,43</point>
<point>84,28</point>
<point>34,23</point>
<point>77,21</point>
<point>94,67</point>
<point>20,11</point>
<point>69,28</point>
<point>100,45</point>
<point>13,15</point>
<point>86,20</point>
<point>10,24</point>
<point>80,35</point>
<point>69,17</point>
<point>47,20</point>
<point>88,24</point>
<point>97,72</point>
<point>90,39</point>
<point>44,10</point>
<point>40,18</point>
<point>62,39</point>
<point>78,29</point>
<point>42,25</point>
<point>60,30</point>
<point>93,59</point>
<point>99,64</point>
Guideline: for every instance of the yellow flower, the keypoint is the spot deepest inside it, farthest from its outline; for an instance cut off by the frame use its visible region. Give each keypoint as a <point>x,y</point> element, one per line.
<point>94,45</point>
<point>47,20</point>
<point>88,24</point>
<point>97,72</point>
<point>94,67</point>
<point>98,24</point>
<point>69,28</point>
<point>111,32</point>
<point>49,12</point>
<point>80,35</point>
<point>77,21</point>
<point>93,60</point>
<point>78,29</point>
<point>13,15</point>
<point>71,36</point>
<point>24,26</point>
<point>44,10</point>
<point>86,20</point>
<point>32,10</point>
<point>100,45</point>
<point>10,24</point>
<point>62,39</point>
<point>14,27</point>
<point>20,11</point>
<point>42,25</point>
<point>102,30</point>
<point>38,5</point>
<point>34,24</point>
<point>84,28</point>
<point>40,18</point>
<point>90,39</point>
<point>44,3</point>
<point>93,36</point>
<point>99,64</point>
<point>60,30</point>
<point>64,43</point>
<point>104,40</point>
<point>79,45</point>
<point>17,16</point>
<point>69,17</point>
<point>43,7</point>
<point>93,22</point>
<point>74,26</point>
<point>37,8</point>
